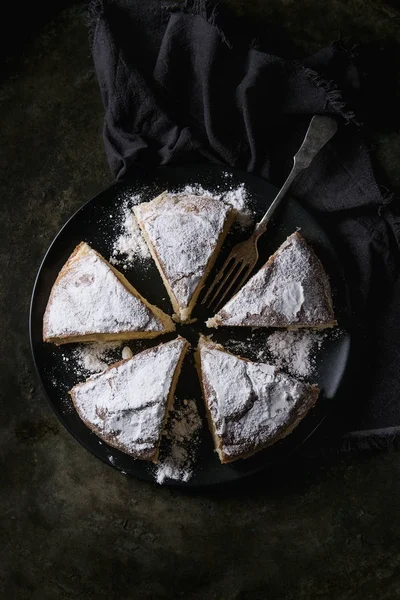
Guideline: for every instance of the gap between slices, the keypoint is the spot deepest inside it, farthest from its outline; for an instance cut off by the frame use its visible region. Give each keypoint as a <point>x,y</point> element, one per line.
<point>92,301</point>
<point>184,234</point>
<point>291,291</point>
<point>128,405</point>
<point>249,405</point>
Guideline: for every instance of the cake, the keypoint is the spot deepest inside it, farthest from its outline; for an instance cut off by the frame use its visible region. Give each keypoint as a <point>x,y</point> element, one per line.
<point>127,405</point>
<point>184,234</point>
<point>291,290</point>
<point>92,301</point>
<point>249,405</point>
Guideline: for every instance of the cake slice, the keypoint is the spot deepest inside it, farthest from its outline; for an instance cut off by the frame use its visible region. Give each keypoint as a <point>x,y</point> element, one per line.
<point>291,290</point>
<point>92,301</point>
<point>249,405</point>
<point>184,234</point>
<point>127,405</point>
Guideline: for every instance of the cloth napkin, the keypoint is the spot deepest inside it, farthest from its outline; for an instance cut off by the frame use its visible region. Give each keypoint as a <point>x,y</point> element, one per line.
<point>185,84</point>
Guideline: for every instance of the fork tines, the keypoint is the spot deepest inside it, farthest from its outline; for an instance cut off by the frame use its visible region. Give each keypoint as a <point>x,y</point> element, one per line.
<point>227,277</point>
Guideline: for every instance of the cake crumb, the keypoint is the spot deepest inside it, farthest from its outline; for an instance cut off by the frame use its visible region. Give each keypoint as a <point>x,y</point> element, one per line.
<point>126,353</point>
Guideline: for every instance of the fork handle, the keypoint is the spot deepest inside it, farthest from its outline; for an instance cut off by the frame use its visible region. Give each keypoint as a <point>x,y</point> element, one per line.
<point>319,132</point>
<point>263,224</point>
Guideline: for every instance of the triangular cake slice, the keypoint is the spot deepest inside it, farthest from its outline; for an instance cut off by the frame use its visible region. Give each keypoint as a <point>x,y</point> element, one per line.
<point>92,301</point>
<point>184,234</point>
<point>127,405</point>
<point>249,405</point>
<point>291,290</point>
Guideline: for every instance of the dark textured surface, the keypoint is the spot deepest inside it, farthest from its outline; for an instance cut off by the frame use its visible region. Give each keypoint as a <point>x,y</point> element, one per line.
<point>73,528</point>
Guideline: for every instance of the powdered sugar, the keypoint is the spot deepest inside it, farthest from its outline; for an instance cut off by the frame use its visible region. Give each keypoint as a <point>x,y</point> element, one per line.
<point>95,357</point>
<point>178,456</point>
<point>129,247</point>
<point>290,289</point>
<point>238,198</point>
<point>251,404</point>
<point>88,298</point>
<point>247,348</point>
<point>184,231</point>
<point>294,350</point>
<point>290,301</point>
<point>126,404</point>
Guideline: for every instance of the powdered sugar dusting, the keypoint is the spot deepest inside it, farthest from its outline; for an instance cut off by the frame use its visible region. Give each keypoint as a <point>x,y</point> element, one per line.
<point>184,230</point>
<point>88,298</point>
<point>295,350</point>
<point>290,301</point>
<point>95,357</point>
<point>177,461</point>
<point>251,404</point>
<point>130,247</point>
<point>290,289</point>
<point>238,198</point>
<point>126,404</point>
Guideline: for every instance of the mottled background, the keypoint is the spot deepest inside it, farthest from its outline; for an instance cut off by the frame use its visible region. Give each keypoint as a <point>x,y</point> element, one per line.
<point>73,528</point>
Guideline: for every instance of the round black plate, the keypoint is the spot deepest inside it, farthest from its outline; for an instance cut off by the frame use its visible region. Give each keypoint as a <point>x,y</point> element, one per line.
<point>95,224</point>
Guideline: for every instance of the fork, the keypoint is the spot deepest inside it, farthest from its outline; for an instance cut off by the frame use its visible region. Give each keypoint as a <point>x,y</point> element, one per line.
<point>244,255</point>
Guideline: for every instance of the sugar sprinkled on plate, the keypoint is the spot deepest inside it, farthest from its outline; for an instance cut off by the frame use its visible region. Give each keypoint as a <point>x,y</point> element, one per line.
<point>294,350</point>
<point>177,456</point>
<point>237,197</point>
<point>129,247</point>
<point>97,356</point>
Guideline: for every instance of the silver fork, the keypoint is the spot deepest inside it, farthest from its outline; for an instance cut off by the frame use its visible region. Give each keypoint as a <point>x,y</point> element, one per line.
<point>244,255</point>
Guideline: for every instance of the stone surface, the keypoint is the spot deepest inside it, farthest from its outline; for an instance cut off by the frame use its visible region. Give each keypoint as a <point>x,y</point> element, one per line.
<point>73,528</point>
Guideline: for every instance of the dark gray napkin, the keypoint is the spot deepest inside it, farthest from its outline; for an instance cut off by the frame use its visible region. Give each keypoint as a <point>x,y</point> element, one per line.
<point>182,84</point>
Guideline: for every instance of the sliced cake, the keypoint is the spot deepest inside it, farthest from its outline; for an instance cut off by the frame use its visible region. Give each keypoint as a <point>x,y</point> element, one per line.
<point>127,405</point>
<point>92,301</point>
<point>291,290</point>
<point>249,405</point>
<point>184,234</point>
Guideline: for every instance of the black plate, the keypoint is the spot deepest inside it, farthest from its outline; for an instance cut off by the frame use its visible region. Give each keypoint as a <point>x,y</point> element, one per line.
<point>95,223</point>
